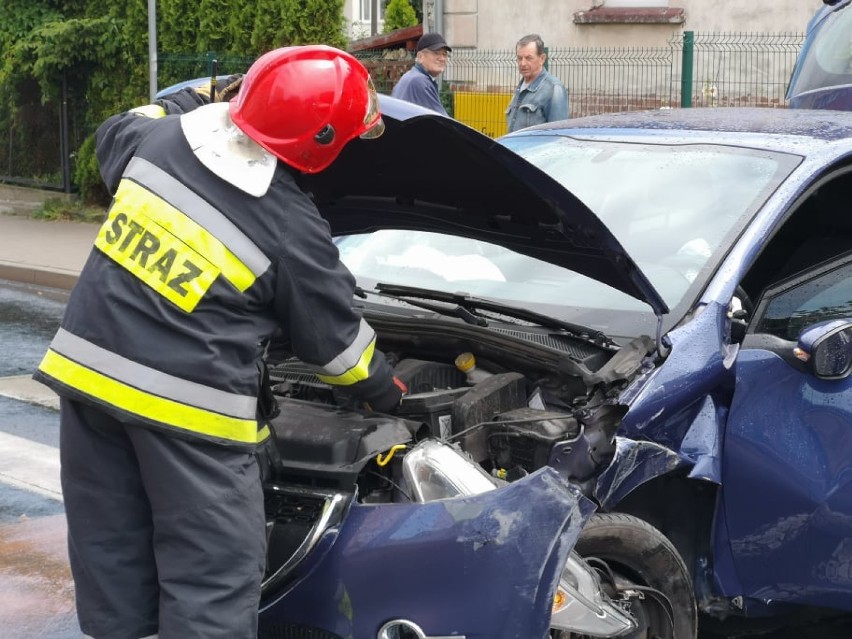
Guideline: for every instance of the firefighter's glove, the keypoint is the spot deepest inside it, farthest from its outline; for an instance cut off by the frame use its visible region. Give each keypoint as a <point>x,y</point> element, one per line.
<point>230,87</point>
<point>388,402</point>
<point>224,89</point>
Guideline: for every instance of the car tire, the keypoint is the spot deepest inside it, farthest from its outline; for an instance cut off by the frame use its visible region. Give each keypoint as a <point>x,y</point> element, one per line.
<point>640,555</point>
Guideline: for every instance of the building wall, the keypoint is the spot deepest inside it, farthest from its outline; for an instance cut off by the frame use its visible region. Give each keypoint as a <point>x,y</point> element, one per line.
<point>497,24</point>
<point>356,28</point>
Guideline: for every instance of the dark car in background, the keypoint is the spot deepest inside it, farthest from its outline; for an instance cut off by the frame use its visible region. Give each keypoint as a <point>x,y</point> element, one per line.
<point>822,78</point>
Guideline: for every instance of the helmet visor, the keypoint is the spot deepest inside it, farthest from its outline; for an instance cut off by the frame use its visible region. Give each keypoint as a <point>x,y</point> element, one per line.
<point>373,119</point>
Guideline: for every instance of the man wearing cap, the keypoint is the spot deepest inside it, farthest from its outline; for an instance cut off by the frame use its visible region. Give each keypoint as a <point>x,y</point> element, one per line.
<point>418,85</point>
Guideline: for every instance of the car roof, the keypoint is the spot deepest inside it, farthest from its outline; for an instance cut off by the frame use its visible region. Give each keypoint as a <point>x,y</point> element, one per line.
<point>755,127</point>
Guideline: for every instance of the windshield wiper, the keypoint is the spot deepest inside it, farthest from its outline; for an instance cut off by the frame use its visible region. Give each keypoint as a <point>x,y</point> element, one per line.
<point>463,313</point>
<point>474,305</point>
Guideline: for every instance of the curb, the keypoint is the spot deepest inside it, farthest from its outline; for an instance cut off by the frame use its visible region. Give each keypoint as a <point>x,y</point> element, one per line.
<point>25,389</point>
<point>51,278</point>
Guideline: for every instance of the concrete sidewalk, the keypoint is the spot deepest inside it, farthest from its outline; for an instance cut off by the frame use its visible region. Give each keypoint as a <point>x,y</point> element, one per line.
<point>44,252</point>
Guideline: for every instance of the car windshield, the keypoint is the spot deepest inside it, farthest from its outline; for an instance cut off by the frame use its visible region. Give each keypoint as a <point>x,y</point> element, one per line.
<point>672,208</point>
<point>827,59</point>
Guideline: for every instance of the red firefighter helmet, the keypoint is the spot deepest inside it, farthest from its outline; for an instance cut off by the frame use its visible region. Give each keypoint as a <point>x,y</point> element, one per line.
<point>304,104</point>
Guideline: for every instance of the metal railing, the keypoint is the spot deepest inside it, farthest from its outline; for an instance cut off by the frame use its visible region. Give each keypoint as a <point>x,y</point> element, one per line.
<point>738,69</point>
<point>177,67</point>
<point>716,69</point>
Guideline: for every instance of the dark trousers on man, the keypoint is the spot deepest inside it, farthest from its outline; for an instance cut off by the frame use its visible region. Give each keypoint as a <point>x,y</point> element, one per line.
<point>165,536</point>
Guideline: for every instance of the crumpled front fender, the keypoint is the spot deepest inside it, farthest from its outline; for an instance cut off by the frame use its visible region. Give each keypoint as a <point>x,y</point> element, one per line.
<point>634,463</point>
<point>677,416</point>
<point>484,566</point>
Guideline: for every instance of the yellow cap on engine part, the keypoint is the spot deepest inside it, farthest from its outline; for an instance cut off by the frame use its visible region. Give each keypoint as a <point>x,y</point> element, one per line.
<point>465,362</point>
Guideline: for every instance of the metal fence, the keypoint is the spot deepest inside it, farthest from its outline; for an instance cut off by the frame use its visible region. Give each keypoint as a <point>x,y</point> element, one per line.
<point>737,69</point>
<point>177,67</point>
<point>692,69</point>
<point>716,69</point>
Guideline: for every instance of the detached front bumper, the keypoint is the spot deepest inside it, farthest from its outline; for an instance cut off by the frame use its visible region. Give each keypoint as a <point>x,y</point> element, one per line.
<point>484,566</point>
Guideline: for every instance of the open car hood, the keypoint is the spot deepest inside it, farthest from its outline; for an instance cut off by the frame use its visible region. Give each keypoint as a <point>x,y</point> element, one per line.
<point>432,173</point>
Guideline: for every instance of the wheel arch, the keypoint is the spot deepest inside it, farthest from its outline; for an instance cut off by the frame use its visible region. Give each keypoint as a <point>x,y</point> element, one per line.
<point>681,508</point>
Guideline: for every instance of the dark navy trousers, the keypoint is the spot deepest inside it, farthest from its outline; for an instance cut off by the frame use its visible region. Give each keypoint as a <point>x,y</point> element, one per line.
<point>165,536</point>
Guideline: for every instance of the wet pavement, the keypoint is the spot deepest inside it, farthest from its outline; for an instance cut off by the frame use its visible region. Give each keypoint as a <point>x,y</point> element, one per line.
<point>36,591</point>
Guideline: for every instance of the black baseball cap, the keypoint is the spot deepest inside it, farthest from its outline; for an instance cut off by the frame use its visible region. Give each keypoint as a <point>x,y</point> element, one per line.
<point>433,42</point>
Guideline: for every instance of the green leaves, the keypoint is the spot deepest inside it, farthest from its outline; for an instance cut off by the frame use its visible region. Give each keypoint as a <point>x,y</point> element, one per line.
<point>399,14</point>
<point>99,48</point>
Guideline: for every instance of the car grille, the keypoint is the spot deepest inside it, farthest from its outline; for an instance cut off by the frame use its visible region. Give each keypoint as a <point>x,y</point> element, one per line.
<point>576,348</point>
<point>294,371</point>
<point>292,631</point>
<point>293,508</point>
<point>296,518</point>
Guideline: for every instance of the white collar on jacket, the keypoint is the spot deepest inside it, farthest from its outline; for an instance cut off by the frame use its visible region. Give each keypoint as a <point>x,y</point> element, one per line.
<point>226,150</point>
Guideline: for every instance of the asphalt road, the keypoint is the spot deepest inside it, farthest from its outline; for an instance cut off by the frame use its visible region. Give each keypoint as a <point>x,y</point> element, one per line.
<point>36,591</point>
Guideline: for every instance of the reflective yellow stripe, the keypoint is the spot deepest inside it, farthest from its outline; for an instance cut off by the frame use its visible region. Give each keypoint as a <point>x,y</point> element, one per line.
<point>132,400</point>
<point>132,198</point>
<point>350,355</point>
<point>359,372</point>
<point>150,111</point>
<point>262,434</point>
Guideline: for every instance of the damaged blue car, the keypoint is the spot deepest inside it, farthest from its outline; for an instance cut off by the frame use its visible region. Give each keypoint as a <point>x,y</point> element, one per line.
<point>654,309</point>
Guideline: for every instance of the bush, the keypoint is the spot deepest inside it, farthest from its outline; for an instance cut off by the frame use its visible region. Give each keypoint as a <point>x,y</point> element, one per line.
<point>87,175</point>
<point>398,15</point>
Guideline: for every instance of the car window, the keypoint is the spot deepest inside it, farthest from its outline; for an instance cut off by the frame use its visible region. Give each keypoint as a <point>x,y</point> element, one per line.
<point>457,264</point>
<point>823,294</point>
<point>827,61</point>
<point>673,207</point>
<point>462,265</point>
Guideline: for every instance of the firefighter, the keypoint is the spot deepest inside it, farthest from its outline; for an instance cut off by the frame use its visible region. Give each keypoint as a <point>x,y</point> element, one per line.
<point>208,247</point>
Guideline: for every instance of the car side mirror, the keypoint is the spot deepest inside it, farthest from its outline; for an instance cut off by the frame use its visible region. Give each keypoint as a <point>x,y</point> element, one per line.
<point>826,348</point>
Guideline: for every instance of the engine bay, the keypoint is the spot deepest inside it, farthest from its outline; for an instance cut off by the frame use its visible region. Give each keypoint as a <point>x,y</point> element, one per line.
<point>512,410</point>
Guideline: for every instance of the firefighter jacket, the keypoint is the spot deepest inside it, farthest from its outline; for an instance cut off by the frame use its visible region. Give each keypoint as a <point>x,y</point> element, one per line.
<point>188,278</point>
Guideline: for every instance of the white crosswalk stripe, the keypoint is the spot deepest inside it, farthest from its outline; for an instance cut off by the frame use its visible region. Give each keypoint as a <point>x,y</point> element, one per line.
<point>29,465</point>
<point>26,389</point>
<point>24,463</point>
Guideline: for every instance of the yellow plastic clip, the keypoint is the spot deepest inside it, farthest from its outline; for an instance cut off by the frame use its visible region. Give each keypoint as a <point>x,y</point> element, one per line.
<point>384,461</point>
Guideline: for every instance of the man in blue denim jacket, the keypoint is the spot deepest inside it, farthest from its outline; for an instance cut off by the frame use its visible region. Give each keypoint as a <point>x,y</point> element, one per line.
<point>539,97</point>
